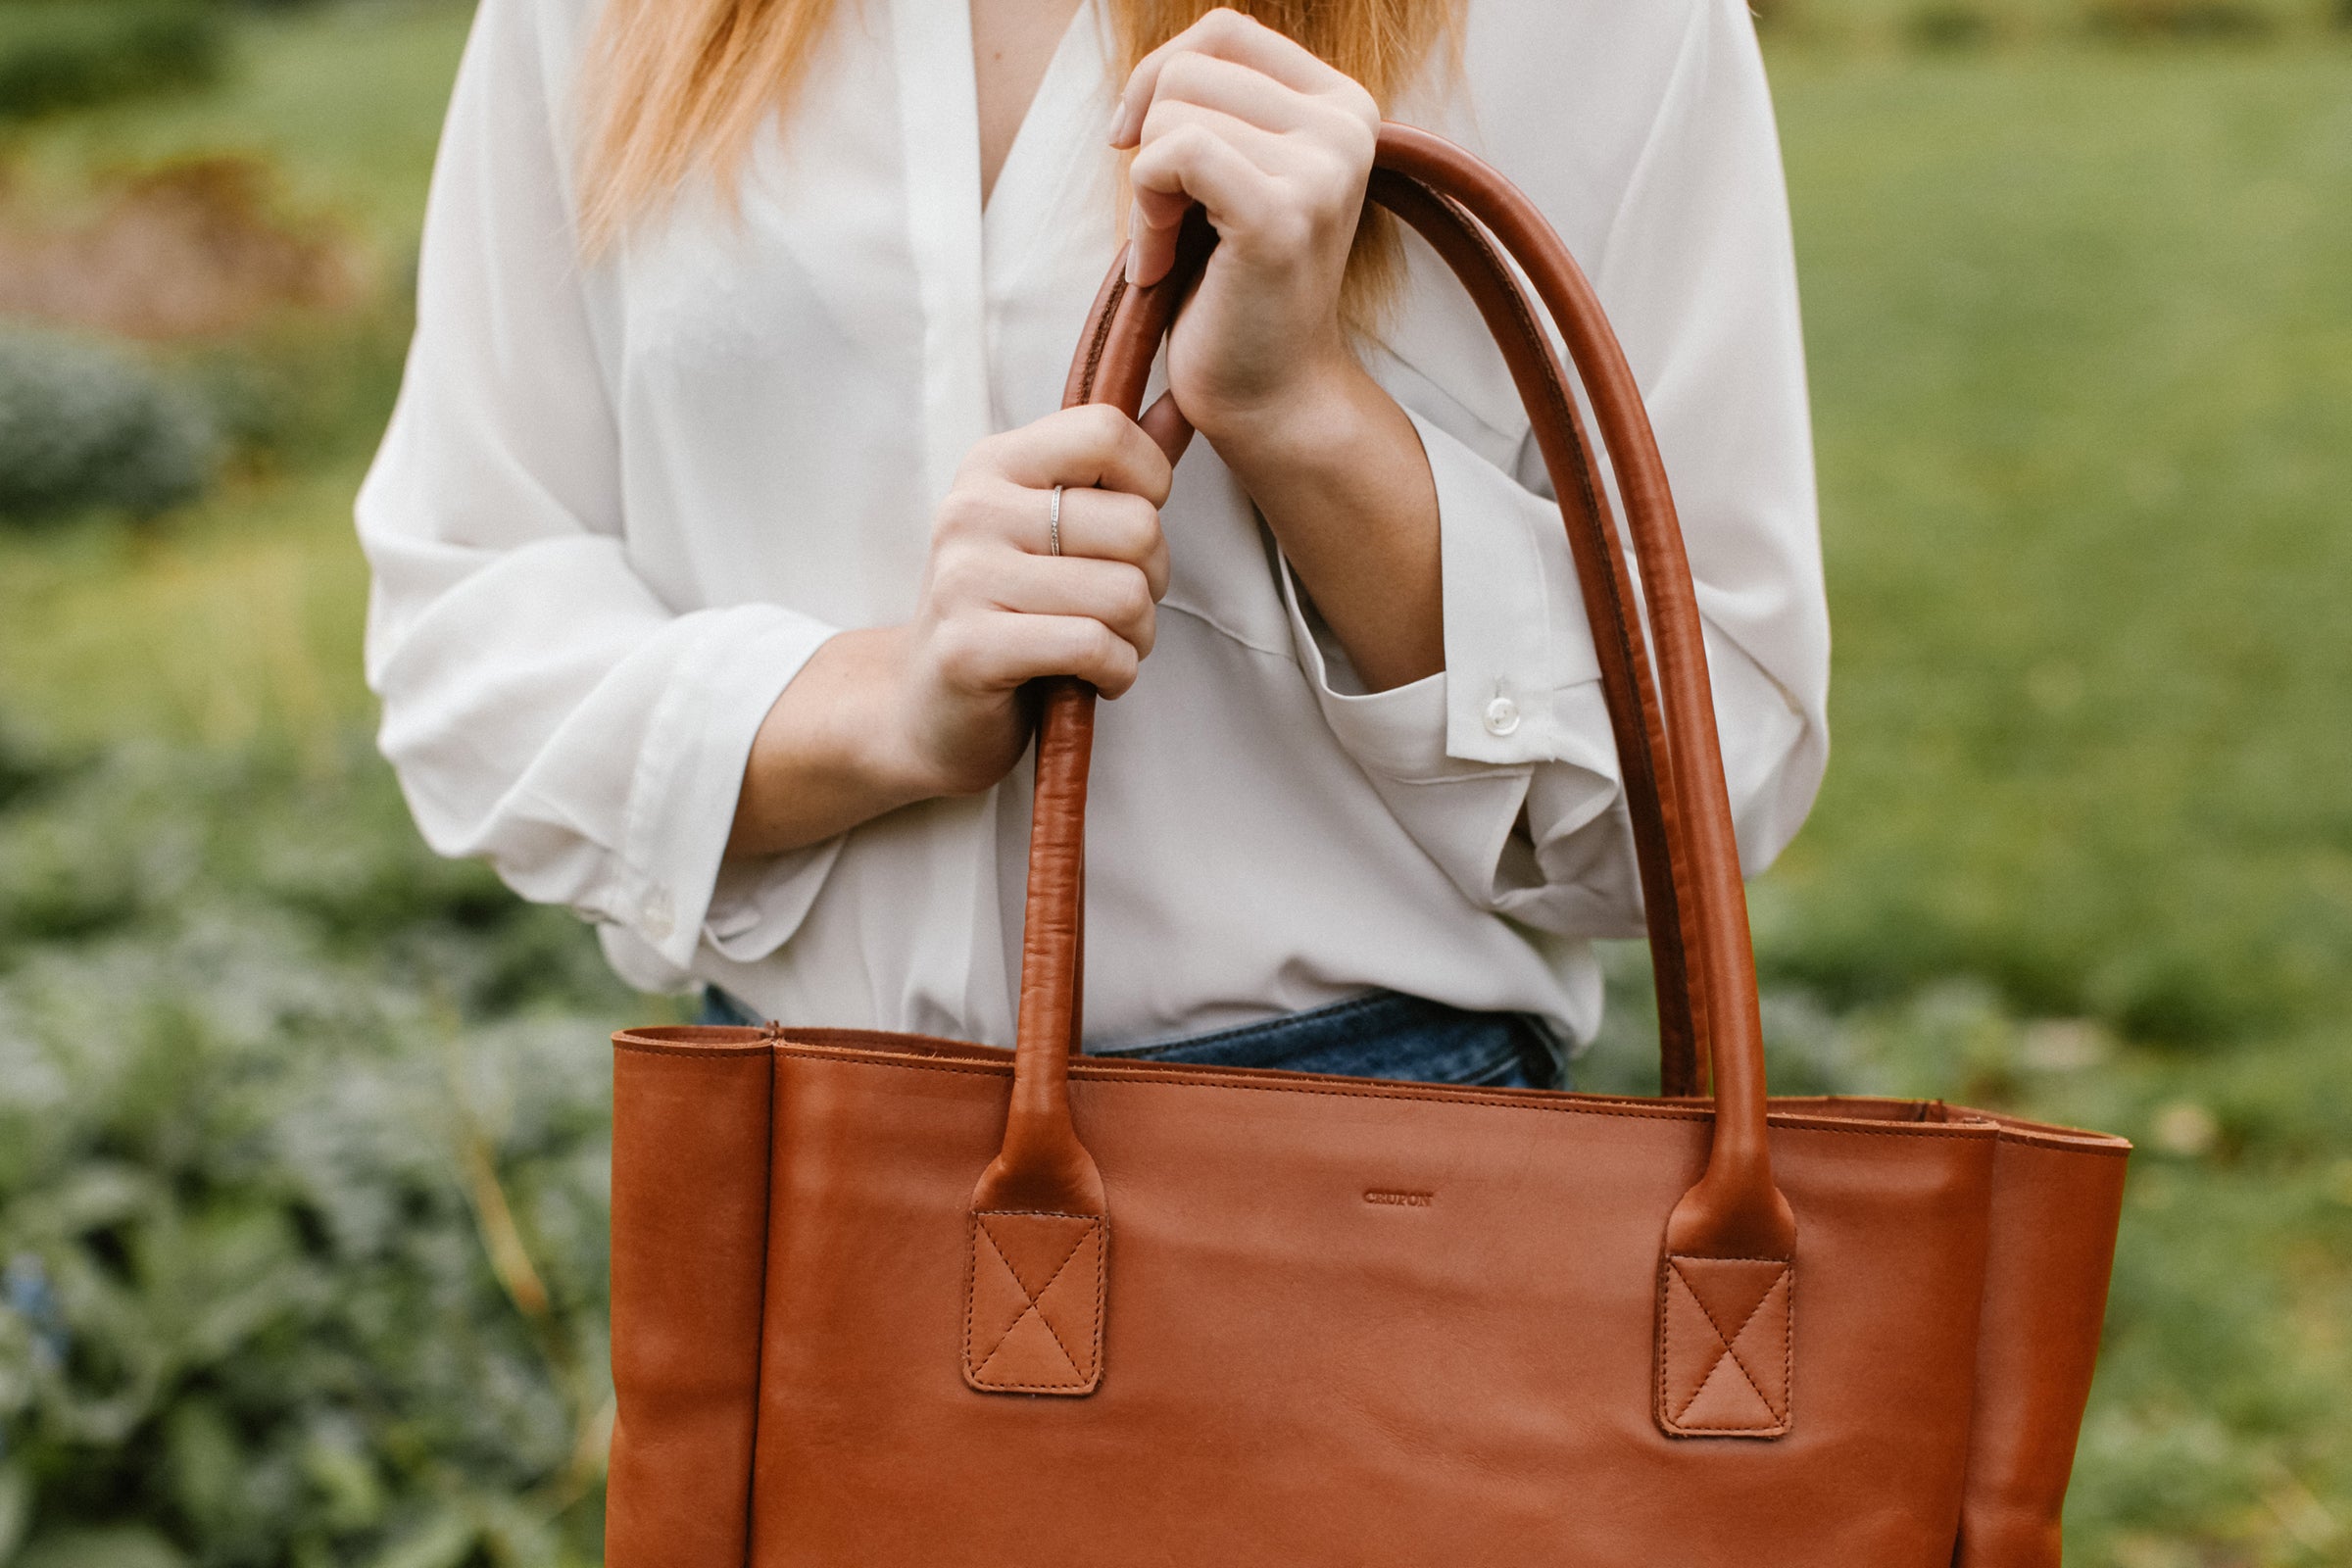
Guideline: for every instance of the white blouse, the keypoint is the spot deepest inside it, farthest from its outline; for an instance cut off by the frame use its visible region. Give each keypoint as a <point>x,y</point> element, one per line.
<point>620,504</point>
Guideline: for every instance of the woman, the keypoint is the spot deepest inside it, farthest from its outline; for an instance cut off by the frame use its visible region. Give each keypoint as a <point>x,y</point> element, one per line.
<point>727,508</point>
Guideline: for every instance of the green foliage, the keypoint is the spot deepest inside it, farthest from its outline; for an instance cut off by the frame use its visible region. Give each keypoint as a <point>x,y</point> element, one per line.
<point>2084,387</point>
<point>2211,20</point>
<point>1948,25</point>
<point>2083,367</point>
<point>57,55</point>
<point>2082,371</point>
<point>344,100</point>
<point>83,425</point>
<point>262,1096</point>
<point>305,389</point>
<point>1879,26</point>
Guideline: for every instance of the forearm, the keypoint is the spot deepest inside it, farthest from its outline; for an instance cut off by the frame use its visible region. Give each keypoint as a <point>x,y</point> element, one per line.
<point>824,759</point>
<point>1339,476</point>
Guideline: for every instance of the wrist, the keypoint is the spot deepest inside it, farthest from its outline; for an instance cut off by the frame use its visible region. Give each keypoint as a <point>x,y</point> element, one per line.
<point>866,738</point>
<point>1311,426</point>
<point>833,751</point>
<point>1288,419</point>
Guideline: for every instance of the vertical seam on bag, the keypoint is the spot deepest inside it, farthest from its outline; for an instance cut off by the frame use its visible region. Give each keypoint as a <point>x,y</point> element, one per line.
<point>1789,1349</point>
<point>767,1214</point>
<point>1665,1341</point>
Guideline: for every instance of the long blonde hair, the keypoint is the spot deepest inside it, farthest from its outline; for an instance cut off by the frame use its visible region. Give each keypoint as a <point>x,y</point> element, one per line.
<point>680,88</point>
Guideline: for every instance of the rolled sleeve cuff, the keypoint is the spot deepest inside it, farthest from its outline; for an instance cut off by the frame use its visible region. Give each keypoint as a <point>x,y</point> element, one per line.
<point>1515,629</point>
<point>1398,733</point>
<point>1517,643</point>
<point>690,774</point>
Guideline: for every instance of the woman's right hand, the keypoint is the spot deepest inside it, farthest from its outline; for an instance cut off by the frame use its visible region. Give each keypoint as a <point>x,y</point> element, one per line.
<point>888,715</point>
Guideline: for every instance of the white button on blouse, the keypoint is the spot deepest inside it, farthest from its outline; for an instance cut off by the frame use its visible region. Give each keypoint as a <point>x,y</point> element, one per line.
<point>621,502</point>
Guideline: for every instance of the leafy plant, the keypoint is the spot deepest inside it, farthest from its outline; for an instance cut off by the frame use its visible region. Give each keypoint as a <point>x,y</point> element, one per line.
<point>56,57</point>
<point>86,426</point>
<point>302,1186</point>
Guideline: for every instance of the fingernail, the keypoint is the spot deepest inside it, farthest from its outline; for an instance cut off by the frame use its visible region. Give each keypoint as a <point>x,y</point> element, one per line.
<point>1118,124</point>
<point>1131,262</point>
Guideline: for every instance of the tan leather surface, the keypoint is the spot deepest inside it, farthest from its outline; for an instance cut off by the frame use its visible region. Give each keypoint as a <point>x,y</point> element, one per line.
<point>1033,1302</point>
<point>1295,1373</point>
<point>2056,1204</point>
<point>1296,1366</point>
<point>691,1127</point>
<point>1351,1323</point>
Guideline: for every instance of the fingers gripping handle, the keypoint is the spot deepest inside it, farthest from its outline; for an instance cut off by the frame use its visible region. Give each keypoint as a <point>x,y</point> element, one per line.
<point>1039,1240</point>
<point>1043,1167</point>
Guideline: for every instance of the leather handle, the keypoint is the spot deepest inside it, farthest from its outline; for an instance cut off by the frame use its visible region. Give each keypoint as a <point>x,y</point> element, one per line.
<point>1628,687</point>
<point>1629,690</point>
<point>1043,1165</point>
<point>1665,733</point>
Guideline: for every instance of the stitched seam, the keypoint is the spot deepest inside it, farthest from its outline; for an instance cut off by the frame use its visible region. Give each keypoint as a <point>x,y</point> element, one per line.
<point>1666,1345</point>
<point>1674,1423</point>
<point>1101,1299</point>
<point>1731,1345</point>
<point>1909,1129</point>
<point>1100,340</point>
<point>1075,1248</point>
<point>1102,1295</point>
<point>715,1051</point>
<point>1031,1307</point>
<point>1789,1350</point>
<point>981,1371</point>
<point>1674,1276</point>
<point>1712,1368</point>
<point>971,1292</point>
<point>1102,1235</point>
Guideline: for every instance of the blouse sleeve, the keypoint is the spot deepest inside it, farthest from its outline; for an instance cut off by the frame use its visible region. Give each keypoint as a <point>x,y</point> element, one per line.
<point>542,706</point>
<point>1502,767</point>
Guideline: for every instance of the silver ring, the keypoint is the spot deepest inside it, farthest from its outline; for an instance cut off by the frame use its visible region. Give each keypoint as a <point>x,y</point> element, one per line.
<point>1054,524</point>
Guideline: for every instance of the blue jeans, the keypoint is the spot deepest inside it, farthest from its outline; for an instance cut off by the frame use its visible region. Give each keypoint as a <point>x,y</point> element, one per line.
<point>1381,1034</point>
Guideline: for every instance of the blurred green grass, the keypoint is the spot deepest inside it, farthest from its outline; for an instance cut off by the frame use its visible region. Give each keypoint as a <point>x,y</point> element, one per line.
<point>2081,337</point>
<point>2084,371</point>
<point>2082,348</point>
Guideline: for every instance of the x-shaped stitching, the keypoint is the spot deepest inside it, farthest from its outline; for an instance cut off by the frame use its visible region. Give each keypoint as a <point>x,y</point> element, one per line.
<point>1726,1340</point>
<point>1034,1297</point>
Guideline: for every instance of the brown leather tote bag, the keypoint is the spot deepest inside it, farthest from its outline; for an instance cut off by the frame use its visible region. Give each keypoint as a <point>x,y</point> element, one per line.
<point>881,1300</point>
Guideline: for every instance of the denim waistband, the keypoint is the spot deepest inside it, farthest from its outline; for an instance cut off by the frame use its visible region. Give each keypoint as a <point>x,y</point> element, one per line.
<point>1381,1034</point>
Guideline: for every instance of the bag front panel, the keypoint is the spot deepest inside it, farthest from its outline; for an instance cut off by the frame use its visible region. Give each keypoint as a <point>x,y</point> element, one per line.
<point>1349,1326</point>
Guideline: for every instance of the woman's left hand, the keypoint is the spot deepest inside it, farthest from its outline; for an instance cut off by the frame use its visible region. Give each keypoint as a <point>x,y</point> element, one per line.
<point>1277,146</point>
